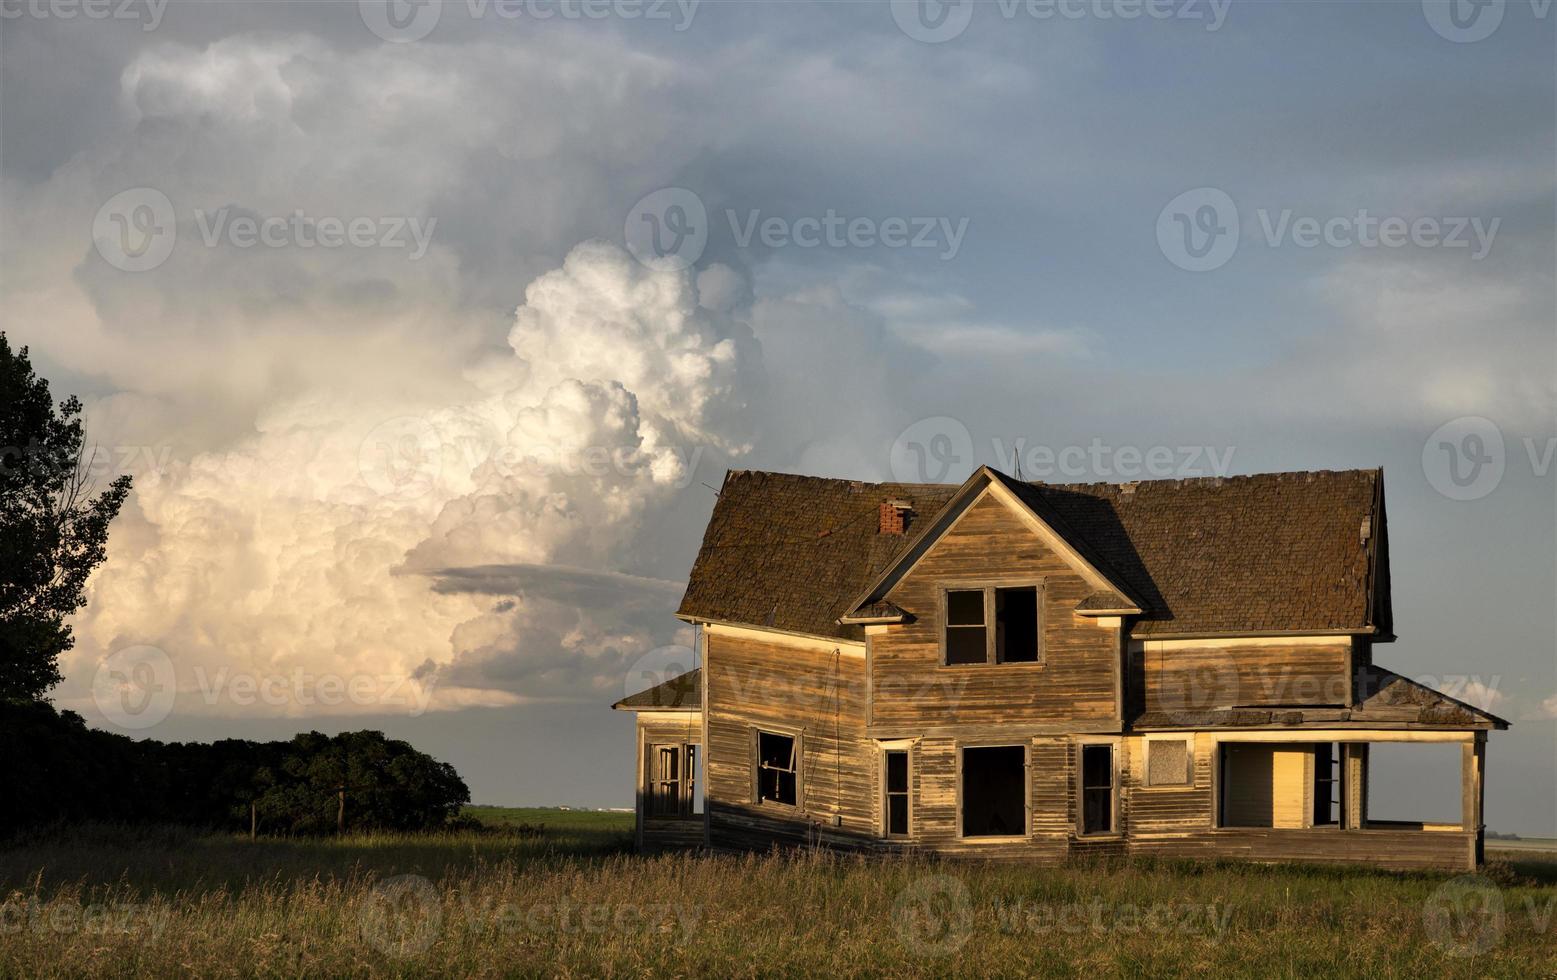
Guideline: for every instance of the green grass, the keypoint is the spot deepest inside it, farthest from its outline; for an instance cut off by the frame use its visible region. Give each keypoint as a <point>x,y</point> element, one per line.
<point>573,901</point>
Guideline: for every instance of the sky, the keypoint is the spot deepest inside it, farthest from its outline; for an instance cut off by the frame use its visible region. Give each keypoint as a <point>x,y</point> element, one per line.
<point>425,328</point>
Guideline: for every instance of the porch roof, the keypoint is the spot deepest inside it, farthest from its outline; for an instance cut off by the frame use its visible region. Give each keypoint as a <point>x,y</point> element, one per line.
<point>1387,701</point>
<point>684,692</point>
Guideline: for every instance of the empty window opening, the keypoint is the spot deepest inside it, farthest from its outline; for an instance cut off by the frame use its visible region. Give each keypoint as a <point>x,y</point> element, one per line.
<point>1097,789</point>
<point>896,784</point>
<point>694,781</point>
<point>965,630</point>
<point>994,791</point>
<point>1167,762</point>
<point>776,769</point>
<point>1016,625</point>
<point>1327,784</point>
<point>665,799</point>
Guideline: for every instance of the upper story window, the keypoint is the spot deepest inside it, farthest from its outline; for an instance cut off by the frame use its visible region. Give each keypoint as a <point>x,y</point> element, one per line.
<point>1016,614</point>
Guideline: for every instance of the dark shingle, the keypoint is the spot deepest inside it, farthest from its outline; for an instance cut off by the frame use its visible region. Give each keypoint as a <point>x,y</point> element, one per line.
<point>1267,553</point>
<point>681,691</point>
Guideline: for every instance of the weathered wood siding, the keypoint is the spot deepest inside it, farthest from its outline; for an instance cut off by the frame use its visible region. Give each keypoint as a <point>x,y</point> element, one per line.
<point>1183,678</point>
<point>1403,850</point>
<point>1168,809</point>
<point>758,684</point>
<point>663,728</point>
<point>912,691</point>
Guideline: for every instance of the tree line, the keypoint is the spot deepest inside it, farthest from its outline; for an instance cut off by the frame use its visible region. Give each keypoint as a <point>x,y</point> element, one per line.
<point>53,532</point>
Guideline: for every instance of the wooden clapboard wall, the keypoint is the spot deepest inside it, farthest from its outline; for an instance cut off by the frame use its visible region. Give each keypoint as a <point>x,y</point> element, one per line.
<point>807,690</point>
<point>659,728</point>
<point>911,690</point>
<point>1202,675</point>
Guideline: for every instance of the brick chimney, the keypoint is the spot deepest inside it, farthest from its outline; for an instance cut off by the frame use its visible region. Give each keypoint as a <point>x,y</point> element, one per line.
<point>894,516</point>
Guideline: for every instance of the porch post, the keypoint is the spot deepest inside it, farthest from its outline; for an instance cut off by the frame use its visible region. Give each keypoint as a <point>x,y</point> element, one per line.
<point>1472,758</point>
<point>1354,785</point>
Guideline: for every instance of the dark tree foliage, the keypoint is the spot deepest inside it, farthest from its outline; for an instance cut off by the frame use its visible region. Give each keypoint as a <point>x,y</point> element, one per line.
<point>58,770</point>
<point>52,530</point>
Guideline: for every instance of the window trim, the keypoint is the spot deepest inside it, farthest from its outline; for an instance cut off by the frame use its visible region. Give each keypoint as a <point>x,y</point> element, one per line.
<point>1026,745</point>
<point>1146,761</point>
<point>1116,744</point>
<point>798,735</point>
<point>988,587</point>
<point>910,748</point>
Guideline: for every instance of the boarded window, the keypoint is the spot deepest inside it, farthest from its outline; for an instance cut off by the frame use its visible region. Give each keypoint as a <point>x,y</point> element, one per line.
<point>1097,789</point>
<point>1167,762</point>
<point>994,791</point>
<point>965,630</point>
<point>776,768</point>
<point>895,781</point>
<point>1016,625</point>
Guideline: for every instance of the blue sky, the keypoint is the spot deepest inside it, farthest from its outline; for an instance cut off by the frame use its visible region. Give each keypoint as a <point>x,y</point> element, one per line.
<point>249,386</point>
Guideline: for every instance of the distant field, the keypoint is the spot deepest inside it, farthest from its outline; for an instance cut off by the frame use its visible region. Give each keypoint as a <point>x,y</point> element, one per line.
<point>571,900</point>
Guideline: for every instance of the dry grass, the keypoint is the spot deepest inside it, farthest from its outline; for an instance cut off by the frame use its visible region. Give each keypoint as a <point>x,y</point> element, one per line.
<point>104,901</point>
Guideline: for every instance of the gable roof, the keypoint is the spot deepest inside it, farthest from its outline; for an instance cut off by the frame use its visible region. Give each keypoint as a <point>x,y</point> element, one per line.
<point>682,692</point>
<point>1277,552</point>
<point>1044,522</point>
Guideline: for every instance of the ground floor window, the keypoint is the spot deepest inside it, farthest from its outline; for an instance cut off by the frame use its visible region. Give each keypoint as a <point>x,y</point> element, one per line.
<point>1097,789</point>
<point>1168,762</point>
<point>672,782</point>
<point>994,791</point>
<point>894,764</point>
<point>778,774</point>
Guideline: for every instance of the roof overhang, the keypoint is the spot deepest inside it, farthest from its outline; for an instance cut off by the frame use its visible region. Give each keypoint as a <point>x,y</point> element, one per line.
<point>1047,526</point>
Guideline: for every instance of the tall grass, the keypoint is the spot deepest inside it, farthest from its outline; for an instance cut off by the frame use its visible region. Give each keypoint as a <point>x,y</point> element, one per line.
<point>572,902</point>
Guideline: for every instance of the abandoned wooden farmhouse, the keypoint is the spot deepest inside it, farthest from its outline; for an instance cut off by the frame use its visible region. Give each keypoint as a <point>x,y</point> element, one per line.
<point>1176,667</point>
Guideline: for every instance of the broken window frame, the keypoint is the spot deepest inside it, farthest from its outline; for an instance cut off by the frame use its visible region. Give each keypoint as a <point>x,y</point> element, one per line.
<point>759,766</point>
<point>670,795</point>
<point>992,626</point>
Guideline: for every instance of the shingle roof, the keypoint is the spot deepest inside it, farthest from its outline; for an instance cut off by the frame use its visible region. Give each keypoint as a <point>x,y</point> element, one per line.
<point>1385,699</point>
<point>681,691</point>
<point>1267,553</point>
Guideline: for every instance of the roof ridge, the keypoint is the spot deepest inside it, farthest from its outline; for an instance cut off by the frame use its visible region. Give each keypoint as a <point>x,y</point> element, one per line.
<point>1182,481</point>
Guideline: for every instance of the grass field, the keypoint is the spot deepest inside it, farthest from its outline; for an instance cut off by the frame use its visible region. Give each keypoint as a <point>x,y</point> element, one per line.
<point>571,900</point>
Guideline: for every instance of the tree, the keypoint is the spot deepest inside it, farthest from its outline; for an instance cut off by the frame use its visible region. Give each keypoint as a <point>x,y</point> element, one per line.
<point>53,532</point>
